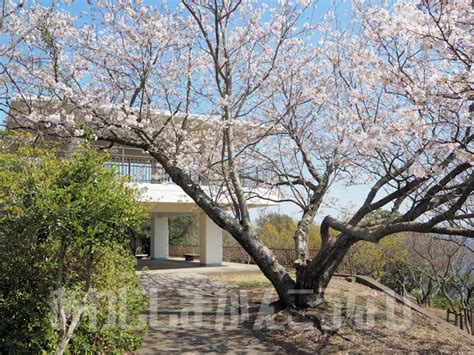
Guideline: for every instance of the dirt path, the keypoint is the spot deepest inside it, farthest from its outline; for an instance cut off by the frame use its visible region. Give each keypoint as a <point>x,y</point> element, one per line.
<point>191,313</point>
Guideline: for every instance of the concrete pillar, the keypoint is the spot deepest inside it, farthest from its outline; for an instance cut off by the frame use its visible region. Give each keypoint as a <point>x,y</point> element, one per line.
<point>210,241</point>
<point>159,242</point>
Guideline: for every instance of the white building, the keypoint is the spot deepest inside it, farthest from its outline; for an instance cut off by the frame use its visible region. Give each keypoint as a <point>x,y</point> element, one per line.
<point>163,199</point>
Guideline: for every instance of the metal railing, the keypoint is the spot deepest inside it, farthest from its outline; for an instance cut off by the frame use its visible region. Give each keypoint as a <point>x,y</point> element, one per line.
<point>139,170</point>
<point>145,170</point>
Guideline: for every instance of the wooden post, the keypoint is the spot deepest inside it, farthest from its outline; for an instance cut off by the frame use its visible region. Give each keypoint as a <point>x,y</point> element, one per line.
<point>472,323</point>
<point>350,263</point>
<point>467,320</point>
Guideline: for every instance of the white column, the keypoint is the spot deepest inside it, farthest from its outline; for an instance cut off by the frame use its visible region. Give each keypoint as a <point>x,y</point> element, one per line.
<point>159,242</point>
<point>210,241</point>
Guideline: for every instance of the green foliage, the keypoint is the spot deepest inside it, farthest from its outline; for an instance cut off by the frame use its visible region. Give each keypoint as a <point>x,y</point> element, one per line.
<point>278,231</point>
<point>182,229</point>
<point>112,321</point>
<point>69,213</point>
<point>374,259</point>
<point>26,262</point>
<point>398,276</point>
<point>441,302</point>
<point>140,237</point>
<point>366,258</point>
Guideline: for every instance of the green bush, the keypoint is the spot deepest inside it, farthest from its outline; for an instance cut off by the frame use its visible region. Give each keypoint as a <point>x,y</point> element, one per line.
<point>442,303</point>
<point>113,320</point>
<point>58,216</point>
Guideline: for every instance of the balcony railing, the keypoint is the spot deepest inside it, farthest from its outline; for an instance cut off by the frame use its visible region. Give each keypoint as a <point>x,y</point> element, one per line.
<point>139,170</point>
<point>147,171</point>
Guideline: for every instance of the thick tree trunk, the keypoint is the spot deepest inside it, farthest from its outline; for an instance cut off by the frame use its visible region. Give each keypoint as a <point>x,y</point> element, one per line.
<point>301,240</point>
<point>269,265</point>
<point>301,236</point>
<point>313,279</point>
<point>304,225</point>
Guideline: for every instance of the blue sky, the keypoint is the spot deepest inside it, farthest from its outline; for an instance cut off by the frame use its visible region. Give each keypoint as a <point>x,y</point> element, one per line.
<point>346,197</point>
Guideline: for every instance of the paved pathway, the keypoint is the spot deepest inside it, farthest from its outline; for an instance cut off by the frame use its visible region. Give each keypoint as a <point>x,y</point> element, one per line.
<point>191,313</point>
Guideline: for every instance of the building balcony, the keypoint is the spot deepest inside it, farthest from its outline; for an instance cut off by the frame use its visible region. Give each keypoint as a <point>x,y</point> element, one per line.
<point>160,194</point>
<point>146,171</point>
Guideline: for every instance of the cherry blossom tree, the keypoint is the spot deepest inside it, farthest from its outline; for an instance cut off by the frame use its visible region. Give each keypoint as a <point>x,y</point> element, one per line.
<point>211,89</point>
<point>387,104</point>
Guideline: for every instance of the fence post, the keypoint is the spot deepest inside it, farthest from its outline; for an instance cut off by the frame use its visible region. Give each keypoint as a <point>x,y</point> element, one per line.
<point>472,322</point>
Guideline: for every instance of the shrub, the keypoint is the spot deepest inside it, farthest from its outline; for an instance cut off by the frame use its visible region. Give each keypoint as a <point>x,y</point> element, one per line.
<point>64,235</point>
<point>113,321</point>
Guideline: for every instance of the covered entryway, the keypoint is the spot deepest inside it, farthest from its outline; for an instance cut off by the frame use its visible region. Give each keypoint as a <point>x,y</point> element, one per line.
<point>210,238</point>
<point>166,200</point>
